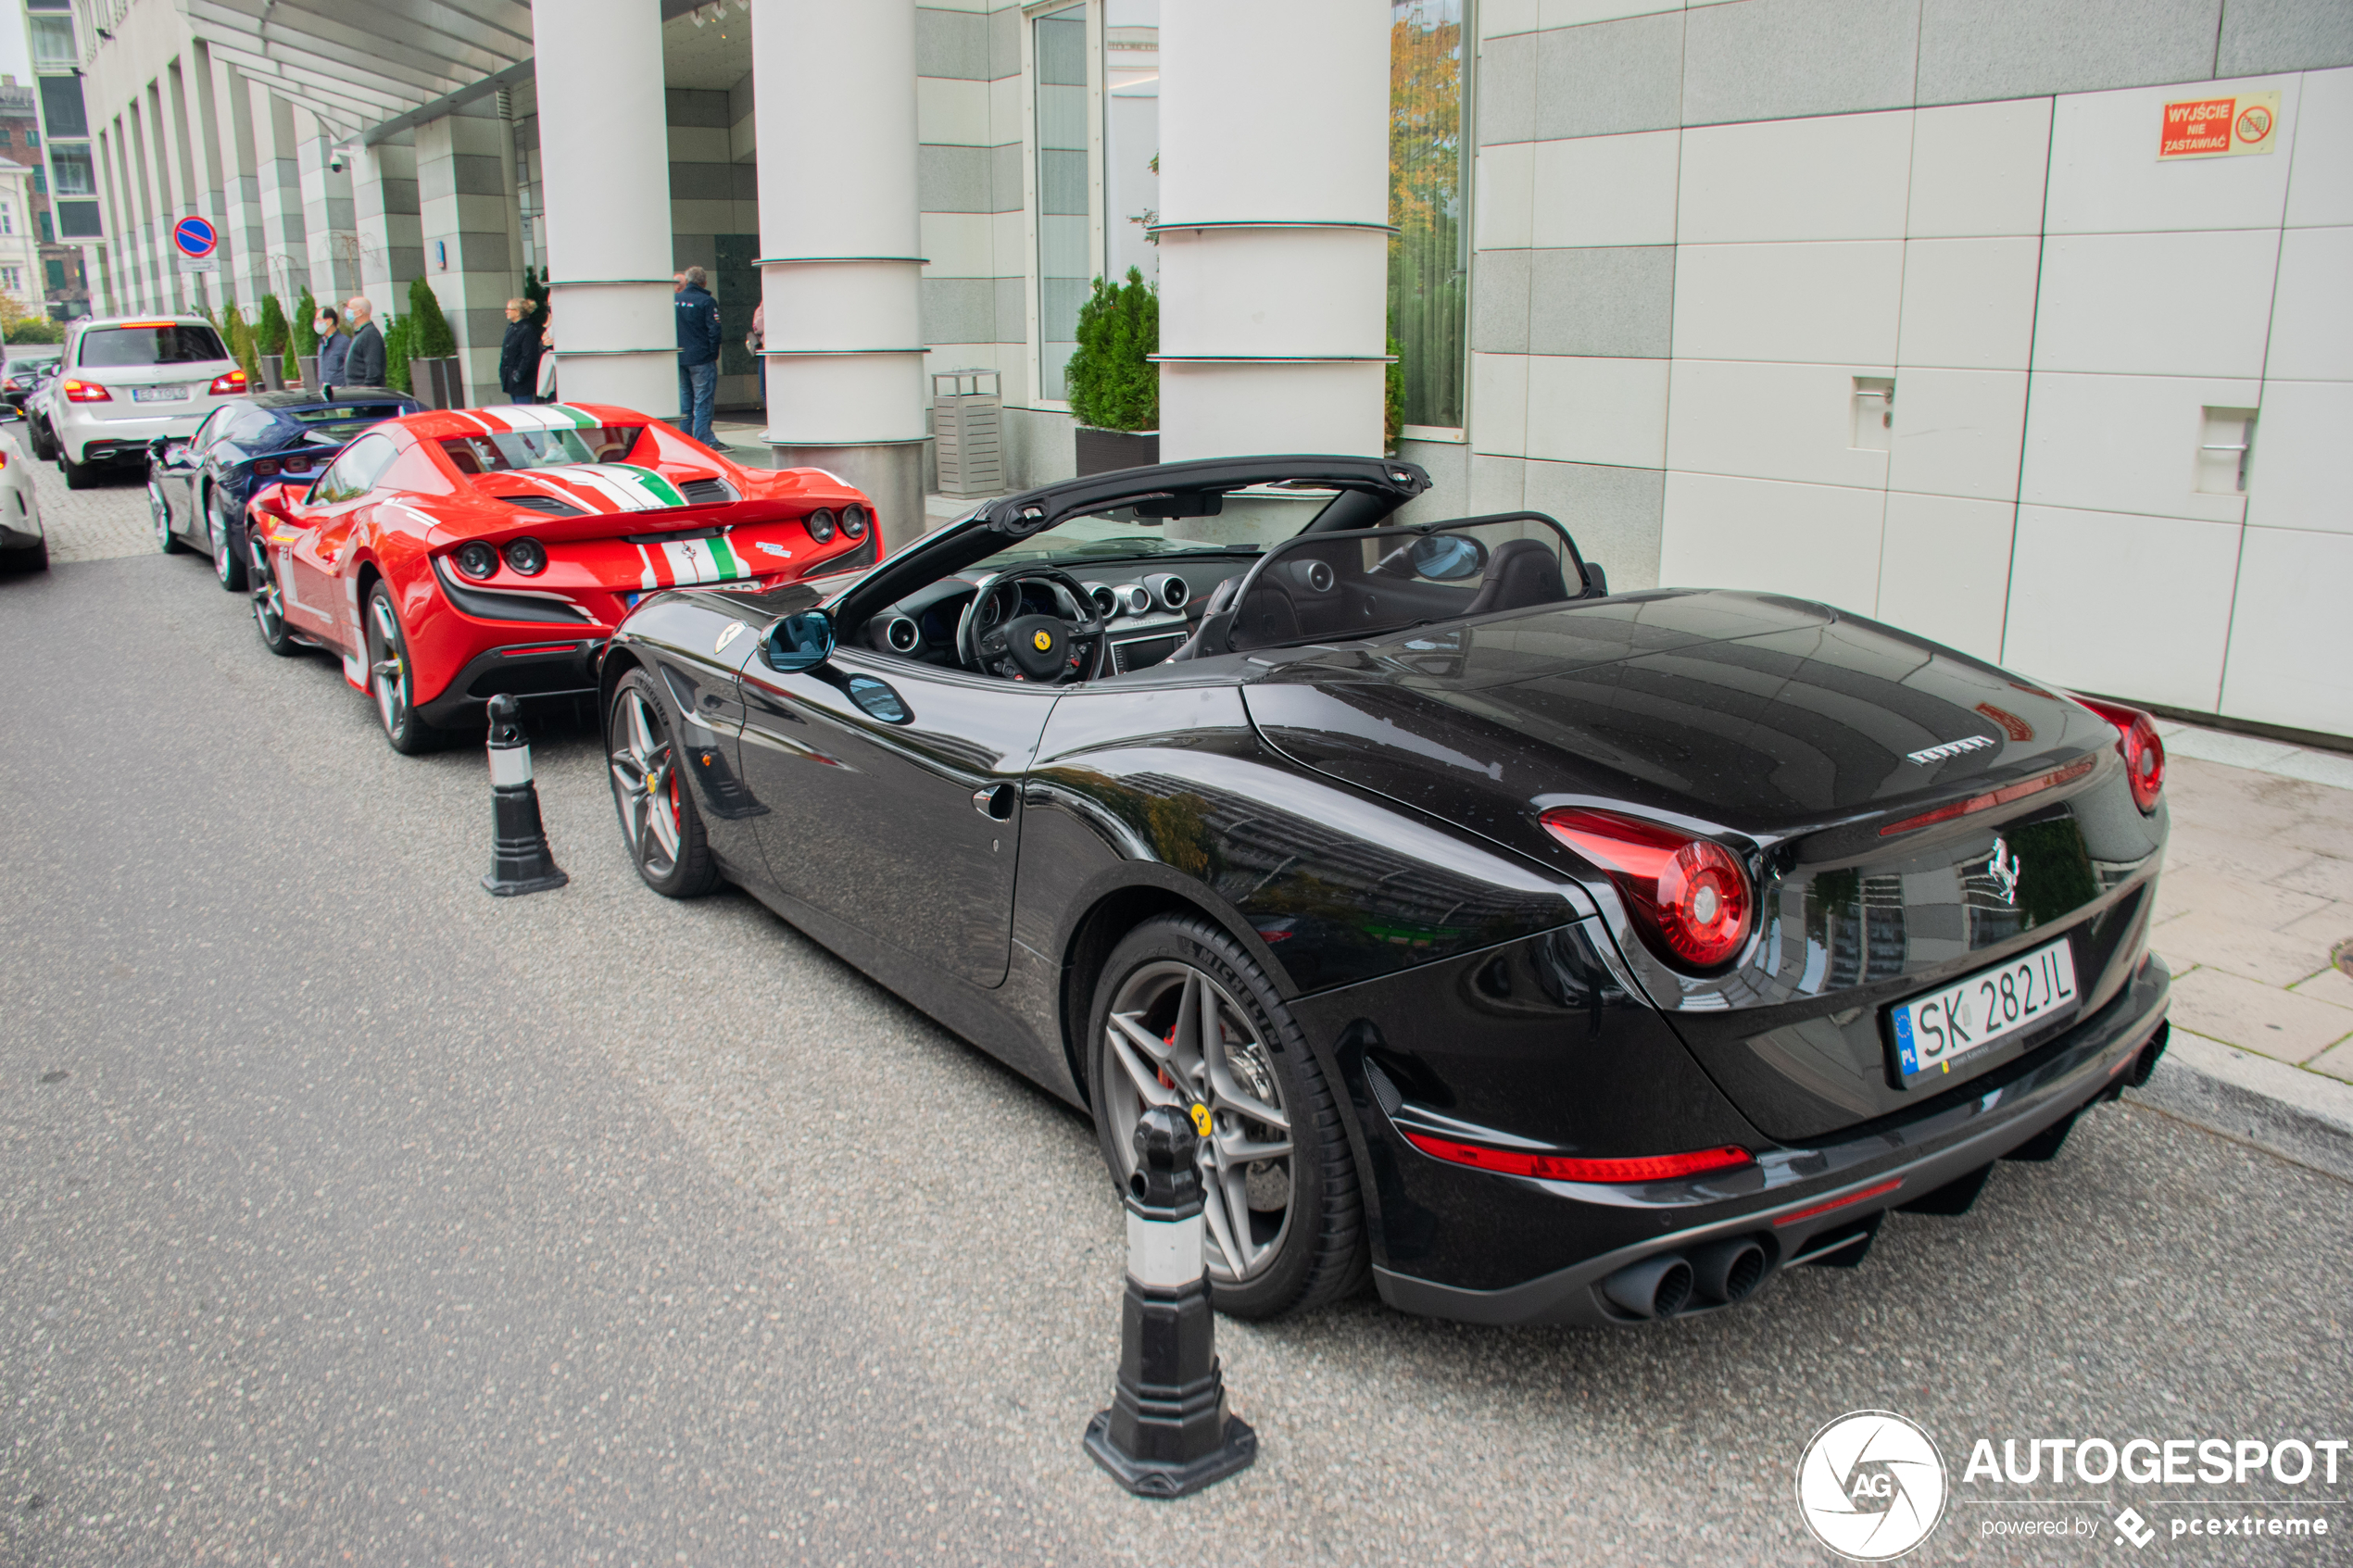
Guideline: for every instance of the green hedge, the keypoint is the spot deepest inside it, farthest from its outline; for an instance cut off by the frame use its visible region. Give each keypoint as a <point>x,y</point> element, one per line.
<point>430,330</point>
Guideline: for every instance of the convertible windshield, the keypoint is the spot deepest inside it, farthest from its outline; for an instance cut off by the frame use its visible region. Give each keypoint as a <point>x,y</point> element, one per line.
<point>1111,536</point>
<point>507,450</point>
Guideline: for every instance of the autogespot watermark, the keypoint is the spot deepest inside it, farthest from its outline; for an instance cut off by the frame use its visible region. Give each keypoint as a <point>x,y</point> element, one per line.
<point>1872,1485</point>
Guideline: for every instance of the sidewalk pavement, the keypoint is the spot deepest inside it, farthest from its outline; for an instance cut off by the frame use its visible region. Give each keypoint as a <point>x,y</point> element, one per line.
<point>2256,898</point>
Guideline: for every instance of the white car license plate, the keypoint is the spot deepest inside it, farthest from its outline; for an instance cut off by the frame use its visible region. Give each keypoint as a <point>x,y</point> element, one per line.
<point>158,395</point>
<point>1955,1024</point>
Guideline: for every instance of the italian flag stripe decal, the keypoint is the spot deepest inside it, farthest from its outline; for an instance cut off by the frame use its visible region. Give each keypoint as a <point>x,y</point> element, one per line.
<point>538,416</point>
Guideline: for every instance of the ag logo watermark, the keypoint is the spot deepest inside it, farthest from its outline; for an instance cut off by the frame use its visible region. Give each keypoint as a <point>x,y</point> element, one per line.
<point>1870,1485</point>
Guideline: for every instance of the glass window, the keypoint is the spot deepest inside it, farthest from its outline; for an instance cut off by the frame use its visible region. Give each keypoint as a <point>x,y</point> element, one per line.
<point>1066,265</point>
<point>76,220</point>
<point>507,450</point>
<point>72,167</point>
<point>52,39</point>
<point>353,472</point>
<point>1430,257</point>
<point>61,107</point>
<point>168,343</point>
<point>1131,136</point>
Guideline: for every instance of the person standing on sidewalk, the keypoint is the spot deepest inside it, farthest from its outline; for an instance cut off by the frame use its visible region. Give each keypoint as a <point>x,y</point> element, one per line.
<point>365,364</point>
<point>519,355</point>
<point>698,338</point>
<point>333,348</point>
<point>755,342</point>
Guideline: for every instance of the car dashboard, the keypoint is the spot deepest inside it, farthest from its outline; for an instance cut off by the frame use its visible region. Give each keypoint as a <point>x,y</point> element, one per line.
<point>1147,609</point>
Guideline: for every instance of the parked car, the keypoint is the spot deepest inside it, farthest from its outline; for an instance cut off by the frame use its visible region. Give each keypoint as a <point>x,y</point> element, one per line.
<point>197,488</point>
<point>124,381</point>
<point>25,371</point>
<point>24,544</point>
<point>450,556</point>
<point>1546,954</point>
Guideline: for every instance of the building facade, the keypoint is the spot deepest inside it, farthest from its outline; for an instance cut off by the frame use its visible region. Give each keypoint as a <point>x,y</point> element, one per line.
<point>1938,310</point>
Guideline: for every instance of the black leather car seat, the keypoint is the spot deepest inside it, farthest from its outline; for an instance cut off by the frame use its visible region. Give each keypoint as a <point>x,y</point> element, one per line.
<point>1521,575</point>
<point>1213,613</point>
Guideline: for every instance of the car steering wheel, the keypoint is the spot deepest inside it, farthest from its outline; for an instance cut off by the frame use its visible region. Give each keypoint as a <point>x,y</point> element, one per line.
<point>1031,647</point>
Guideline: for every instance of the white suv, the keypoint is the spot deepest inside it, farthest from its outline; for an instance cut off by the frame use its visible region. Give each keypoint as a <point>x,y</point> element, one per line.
<point>126,380</point>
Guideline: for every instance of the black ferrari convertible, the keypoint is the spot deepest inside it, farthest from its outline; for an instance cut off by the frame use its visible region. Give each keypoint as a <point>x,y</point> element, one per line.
<point>1548,954</point>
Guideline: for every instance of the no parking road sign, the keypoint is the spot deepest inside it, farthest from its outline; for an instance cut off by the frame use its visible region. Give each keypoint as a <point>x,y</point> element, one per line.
<point>198,246</point>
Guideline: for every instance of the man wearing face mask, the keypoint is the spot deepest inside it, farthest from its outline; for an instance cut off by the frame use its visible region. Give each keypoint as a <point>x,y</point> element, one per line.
<point>333,348</point>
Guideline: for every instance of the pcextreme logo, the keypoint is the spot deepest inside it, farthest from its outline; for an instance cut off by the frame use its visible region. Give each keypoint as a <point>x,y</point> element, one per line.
<point>1870,1485</point>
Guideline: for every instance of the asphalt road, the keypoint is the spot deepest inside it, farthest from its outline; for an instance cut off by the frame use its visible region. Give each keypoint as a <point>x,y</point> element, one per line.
<point>349,1214</point>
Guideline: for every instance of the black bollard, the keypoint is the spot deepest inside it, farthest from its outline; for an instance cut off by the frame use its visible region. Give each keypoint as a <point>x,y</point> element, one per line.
<point>520,861</point>
<point>1167,1433</point>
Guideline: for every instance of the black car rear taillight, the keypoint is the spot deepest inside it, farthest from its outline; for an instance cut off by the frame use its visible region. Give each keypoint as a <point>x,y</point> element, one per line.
<point>2144,752</point>
<point>1689,895</point>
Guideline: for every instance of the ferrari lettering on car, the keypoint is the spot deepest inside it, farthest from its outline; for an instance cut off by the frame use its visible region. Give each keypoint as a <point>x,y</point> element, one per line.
<point>452,543</point>
<point>1535,952</point>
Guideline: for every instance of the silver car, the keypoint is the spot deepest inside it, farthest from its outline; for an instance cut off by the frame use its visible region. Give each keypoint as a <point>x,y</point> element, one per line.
<point>24,544</point>
<point>126,380</point>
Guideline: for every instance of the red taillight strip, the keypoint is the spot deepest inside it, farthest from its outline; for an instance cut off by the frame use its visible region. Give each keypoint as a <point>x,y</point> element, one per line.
<point>1562,1168</point>
<point>1878,1191</point>
<point>1993,797</point>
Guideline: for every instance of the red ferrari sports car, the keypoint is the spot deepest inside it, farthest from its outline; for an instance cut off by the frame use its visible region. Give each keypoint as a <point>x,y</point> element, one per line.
<point>452,556</point>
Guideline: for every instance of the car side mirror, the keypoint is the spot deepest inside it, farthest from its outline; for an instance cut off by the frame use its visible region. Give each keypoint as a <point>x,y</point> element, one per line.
<point>800,641</point>
<point>1446,558</point>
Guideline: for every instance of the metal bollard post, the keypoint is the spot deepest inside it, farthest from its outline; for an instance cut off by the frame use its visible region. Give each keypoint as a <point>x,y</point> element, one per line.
<point>520,860</point>
<point>1167,1433</point>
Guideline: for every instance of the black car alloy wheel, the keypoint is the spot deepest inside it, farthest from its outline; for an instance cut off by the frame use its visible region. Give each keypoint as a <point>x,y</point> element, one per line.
<point>657,806</point>
<point>228,541</point>
<point>159,514</point>
<point>388,678</point>
<point>268,602</point>
<point>1184,1017</point>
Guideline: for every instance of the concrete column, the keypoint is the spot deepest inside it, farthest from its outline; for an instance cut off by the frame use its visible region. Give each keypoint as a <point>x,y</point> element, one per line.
<point>1274,227</point>
<point>463,200</point>
<point>604,155</point>
<point>278,167</point>
<point>840,266</point>
<point>227,118</point>
<point>329,219</point>
<point>385,216</point>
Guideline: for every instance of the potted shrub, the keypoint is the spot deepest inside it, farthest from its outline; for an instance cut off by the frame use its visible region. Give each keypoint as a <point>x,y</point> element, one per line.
<point>400,356</point>
<point>434,378</point>
<point>269,342</point>
<point>1115,387</point>
<point>302,335</point>
<point>239,337</point>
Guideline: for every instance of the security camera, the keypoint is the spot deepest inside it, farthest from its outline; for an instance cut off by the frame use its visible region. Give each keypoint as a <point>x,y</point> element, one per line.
<point>335,163</point>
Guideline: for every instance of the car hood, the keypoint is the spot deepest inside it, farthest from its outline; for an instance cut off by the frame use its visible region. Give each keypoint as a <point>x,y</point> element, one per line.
<point>1761,716</point>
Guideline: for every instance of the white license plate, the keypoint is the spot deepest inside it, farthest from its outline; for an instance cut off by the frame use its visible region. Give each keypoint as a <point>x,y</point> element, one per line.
<point>1959,1021</point>
<point>158,395</point>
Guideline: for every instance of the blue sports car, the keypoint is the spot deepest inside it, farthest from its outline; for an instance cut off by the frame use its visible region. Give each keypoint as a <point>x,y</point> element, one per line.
<point>197,488</point>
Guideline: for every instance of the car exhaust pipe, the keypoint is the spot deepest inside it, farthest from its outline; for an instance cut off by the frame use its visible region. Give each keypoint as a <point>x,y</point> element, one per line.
<point>1728,1271</point>
<point>1655,1287</point>
<point>2146,1063</point>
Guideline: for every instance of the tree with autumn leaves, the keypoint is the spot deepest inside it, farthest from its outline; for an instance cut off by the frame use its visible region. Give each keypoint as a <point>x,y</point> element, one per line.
<point>1426,286</point>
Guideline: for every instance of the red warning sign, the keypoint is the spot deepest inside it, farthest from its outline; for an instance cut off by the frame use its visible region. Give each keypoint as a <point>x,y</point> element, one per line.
<point>2230,126</point>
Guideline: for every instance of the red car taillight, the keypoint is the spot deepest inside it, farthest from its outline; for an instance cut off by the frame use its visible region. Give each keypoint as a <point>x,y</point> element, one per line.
<point>87,392</point>
<point>2144,752</point>
<point>264,467</point>
<point>1563,1168</point>
<point>1689,894</point>
<point>229,385</point>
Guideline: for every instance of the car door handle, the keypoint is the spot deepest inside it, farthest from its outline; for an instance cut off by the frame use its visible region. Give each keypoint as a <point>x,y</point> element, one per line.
<point>995,802</point>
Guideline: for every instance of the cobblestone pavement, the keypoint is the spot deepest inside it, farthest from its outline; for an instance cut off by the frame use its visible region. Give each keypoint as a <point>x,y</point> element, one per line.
<point>97,524</point>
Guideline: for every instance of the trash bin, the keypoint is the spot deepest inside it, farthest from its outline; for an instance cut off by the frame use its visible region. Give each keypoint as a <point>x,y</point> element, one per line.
<point>967,415</point>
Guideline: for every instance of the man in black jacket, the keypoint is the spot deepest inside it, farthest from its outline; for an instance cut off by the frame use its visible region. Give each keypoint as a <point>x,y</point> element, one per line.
<point>519,355</point>
<point>364,366</point>
<point>698,337</point>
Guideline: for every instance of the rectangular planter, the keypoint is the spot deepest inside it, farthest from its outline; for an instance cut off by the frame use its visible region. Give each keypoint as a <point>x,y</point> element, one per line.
<point>310,363</point>
<point>437,383</point>
<point>1100,451</point>
<point>273,372</point>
